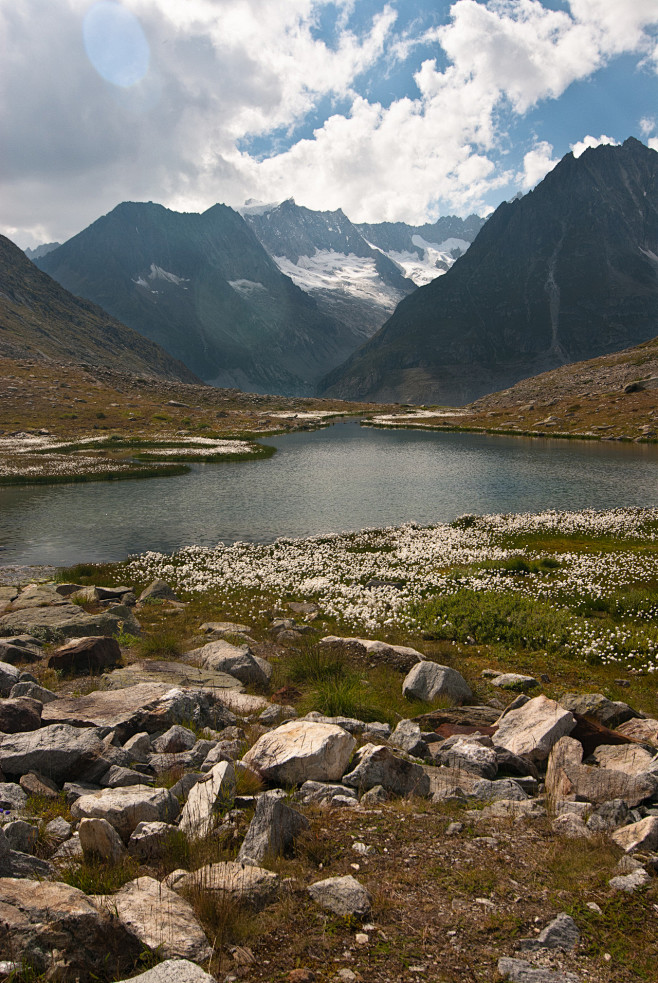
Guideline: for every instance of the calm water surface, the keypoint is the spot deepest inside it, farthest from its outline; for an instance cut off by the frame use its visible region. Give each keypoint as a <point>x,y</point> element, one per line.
<point>345,477</point>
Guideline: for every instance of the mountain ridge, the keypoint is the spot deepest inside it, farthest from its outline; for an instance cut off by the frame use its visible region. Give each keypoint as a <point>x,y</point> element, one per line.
<point>565,273</point>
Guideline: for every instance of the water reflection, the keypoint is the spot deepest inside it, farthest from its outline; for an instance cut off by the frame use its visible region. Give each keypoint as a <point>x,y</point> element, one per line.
<point>344,477</point>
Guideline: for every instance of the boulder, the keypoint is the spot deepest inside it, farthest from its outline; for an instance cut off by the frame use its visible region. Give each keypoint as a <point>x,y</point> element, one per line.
<point>534,728</point>
<point>406,737</point>
<point>186,760</point>
<point>21,836</point>
<point>148,841</point>
<point>568,778</point>
<point>117,776</point>
<point>322,793</point>
<point>629,758</point>
<point>125,808</point>
<point>640,730</point>
<point>342,896</point>
<point>237,883</point>
<point>35,784</point>
<point>212,793</point>
<point>596,706</point>
<point>158,590</point>
<point>638,836</point>
<point>177,738</point>
<point>19,649</point>
<point>146,707</point>
<point>520,971</point>
<point>378,765</point>
<point>17,716</point>
<point>630,883</point>
<point>173,971</point>
<point>272,831</point>
<point>570,826</point>
<point>58,830</point>
<point>400,657</point>
<point>56,929</point>
<point>503,788</point>
<point>161,919</point>
<point>514,681</point>
<point>58,751</point>
<point>67,621</point>
<point>89,655</point>
<point>100,840</point>
<point>562,933</point>
<point>299,750</point>
<point>236,660</point>
<point>468,755</point>
<point>428,681</point>
<point>9,676</point>
<point>26,688</point>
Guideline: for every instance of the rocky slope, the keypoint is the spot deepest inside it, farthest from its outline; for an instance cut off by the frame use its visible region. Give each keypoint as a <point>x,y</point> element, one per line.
<point>204,288</point>
<point>41,320</point>
<point>568,272</point>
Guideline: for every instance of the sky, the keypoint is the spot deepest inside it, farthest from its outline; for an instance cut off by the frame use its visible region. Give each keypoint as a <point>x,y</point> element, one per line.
<point>393,111</point>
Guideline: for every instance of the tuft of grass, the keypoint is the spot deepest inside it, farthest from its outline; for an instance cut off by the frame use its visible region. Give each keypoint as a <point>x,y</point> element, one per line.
<point>96,876</point>
<point>162,645</point>
<point>312,664</point>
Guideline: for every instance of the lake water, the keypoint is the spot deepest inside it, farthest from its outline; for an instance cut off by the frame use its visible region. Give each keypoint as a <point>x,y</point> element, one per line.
<point>341,478</point>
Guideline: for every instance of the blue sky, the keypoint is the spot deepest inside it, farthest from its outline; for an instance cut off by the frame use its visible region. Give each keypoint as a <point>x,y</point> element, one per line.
<point>395,111</point>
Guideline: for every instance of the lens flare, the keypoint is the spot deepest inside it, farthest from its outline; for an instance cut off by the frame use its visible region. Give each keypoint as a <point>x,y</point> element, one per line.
<point>115,43</point>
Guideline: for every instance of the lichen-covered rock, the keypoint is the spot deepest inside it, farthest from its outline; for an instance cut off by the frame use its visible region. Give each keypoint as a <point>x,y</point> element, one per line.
<point>273,829</point>
<point>58,751</point>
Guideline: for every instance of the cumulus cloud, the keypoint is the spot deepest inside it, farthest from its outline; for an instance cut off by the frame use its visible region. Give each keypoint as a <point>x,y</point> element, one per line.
<point>536,164</point>
<point>587,142</point>
<point>225,109</point>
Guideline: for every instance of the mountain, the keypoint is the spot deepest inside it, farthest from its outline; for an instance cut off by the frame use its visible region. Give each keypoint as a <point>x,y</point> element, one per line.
<point>41,320</point>
<point>42,250</point>
<point>357,273</point>
<point>566,273</point>
<point>203,287</point>
<point>424,251</point>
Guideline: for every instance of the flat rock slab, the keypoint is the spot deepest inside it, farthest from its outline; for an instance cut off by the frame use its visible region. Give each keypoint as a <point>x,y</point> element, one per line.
<point>19,714</point>
<point>520,971</point>
<point>237,660</point>
<point>160,919</point>
<point>173,673</point>
<point>63,620</point>
<point>144,707</point>
<point>641,730</point>
<point>217,788</point>
<point>56,928</point>
<point>58,751</point>
<point>173,971</point>
<point>398,656</point>
<point>469,716</point>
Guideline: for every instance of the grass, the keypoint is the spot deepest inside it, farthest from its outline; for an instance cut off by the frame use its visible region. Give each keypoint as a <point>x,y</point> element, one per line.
<point>161,645</point>
<point>95,876</point>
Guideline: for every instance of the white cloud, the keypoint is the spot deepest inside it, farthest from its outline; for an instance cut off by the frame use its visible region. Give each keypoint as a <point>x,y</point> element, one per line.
<point>537,163</point>
<point>589,141</point>
<point>231,81</point>
<point>653,143</point>
<point>647,126</point>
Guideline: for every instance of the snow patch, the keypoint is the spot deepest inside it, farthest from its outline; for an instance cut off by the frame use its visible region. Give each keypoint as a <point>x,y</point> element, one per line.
<point>254,207</point>
<point>346,273</point>
<point>423,269</point>
<point>246,287</point>
<point>157,273</point>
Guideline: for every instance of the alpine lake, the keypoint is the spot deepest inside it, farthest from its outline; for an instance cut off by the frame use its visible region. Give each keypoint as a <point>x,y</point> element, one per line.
<point>339,478</point>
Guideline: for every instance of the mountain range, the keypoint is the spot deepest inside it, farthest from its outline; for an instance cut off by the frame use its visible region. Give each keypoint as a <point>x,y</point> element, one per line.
<point>268,302</point>
<point>567,272</point>
<point>39,319</point>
